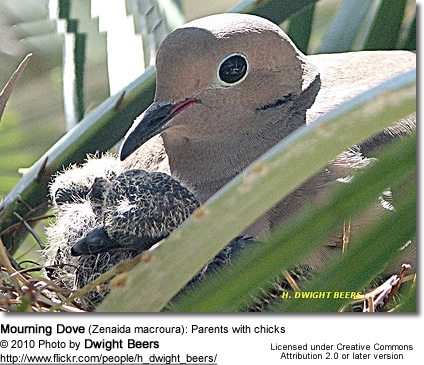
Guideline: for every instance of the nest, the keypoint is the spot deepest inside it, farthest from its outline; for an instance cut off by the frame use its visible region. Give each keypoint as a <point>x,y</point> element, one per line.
<point>23,291</point>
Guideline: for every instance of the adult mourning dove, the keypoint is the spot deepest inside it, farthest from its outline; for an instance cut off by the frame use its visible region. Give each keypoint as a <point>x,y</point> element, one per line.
<point>231,86</point>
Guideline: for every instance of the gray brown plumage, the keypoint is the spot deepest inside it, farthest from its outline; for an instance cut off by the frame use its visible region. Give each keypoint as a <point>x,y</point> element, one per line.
<point>213,125</point>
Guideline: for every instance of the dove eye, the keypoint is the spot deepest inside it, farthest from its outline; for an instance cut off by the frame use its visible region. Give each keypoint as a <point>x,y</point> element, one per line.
<point>233,69</point>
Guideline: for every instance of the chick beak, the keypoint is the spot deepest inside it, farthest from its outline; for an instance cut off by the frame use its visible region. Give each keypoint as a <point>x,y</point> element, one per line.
<point>95,242</point>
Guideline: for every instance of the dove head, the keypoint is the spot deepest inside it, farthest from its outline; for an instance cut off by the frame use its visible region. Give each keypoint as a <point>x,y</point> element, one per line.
<point>227,54</point>
<point>229,87</point>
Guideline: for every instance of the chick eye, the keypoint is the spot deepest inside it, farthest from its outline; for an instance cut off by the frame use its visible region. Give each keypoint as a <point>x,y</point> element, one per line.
<point>233,68</point>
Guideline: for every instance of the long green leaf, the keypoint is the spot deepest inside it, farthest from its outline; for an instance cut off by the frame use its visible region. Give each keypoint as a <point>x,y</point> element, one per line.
<point>368,256</point>
<point>236,287</point>
<point>300,28</point>
<point>411,39</point>
<point>10,85</point>
<point>385,31</point>
<point>256,190</point>
<point>275,10</point>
